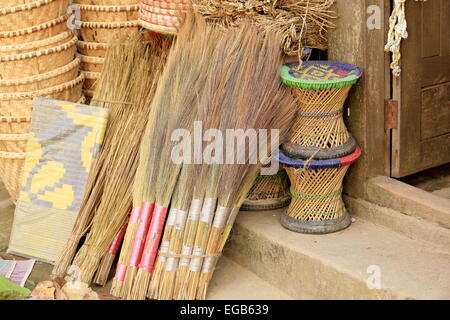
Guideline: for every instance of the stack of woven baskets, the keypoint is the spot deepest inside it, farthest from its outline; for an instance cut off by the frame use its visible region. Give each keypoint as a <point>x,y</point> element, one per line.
<point>161,15</point>
<point>103,21</point>
<point>37,58</point>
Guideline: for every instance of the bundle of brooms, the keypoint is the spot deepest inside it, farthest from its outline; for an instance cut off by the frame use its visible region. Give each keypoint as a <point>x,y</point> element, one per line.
<point>233,84</point>
<point>302,23</point>
<point>125,87</point>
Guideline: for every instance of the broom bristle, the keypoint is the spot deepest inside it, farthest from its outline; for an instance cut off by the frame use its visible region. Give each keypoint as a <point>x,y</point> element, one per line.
<point>124,155</point>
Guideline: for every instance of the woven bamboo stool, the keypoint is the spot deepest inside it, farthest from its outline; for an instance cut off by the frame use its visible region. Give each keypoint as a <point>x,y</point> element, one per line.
<point>268,193</point>
<point>317,206</point>
<point>321,88</point>
<point>162,16</point>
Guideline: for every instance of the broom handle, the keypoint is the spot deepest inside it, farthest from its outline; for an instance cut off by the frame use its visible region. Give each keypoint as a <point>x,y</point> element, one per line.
<point>121,269</point>
<point>145,217</point>
<point>153,238</point>
<point>114,247</point>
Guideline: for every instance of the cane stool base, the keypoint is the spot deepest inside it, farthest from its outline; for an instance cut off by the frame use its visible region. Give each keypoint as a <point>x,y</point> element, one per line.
<point>316,227</point>
<point>266,205</point>
<point>297,151</point>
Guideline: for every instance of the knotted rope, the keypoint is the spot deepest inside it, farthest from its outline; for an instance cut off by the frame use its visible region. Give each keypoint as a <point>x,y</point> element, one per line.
<point>397,32</point>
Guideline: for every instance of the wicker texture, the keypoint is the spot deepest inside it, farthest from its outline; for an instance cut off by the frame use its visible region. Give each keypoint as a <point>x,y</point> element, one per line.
<point>161,16</point>
<point>109,31</point>
<point>16,49</point>
<point>109,13</point>
<point>319,120</point>
<point>268,192</point>
<point>93,49</point>
<point>31,13</point>
<point>90,80</point>
<point>36,62</point>
<point>35,33</point>
<point>316,190</point>
<point>19,104</point>
<point>107,2</point>
<point>44,80</point>
<point>91,64</point>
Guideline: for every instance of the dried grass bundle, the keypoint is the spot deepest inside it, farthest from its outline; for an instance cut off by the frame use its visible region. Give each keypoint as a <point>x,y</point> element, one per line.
<point>180,86</point>
<point>143,190</point>
<point>301,22</point>
<point>113,88</point>
<point>123,160</point>
<point>106,264</point>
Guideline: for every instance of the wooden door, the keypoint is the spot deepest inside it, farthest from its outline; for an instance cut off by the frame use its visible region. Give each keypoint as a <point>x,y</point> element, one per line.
<point>422,137</point>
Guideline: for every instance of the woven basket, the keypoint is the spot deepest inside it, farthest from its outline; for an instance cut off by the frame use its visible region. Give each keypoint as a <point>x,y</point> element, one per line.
<point>268,193</point>
<point>107,2</point>
<point>92,49</point>
<point>11,164</point>
<point>317,205</point>
<point>109,13</point>
<point>105,32</point>
<point>16,49</point>
<point>319,130</point>
<point>91,64</point>
<point>36,62</point>
<point>38,32</point>
<point>20,104</point>
<point>90,81</point>
<point>42,81</point>
<point>161,16</point>
<point>31,14</point>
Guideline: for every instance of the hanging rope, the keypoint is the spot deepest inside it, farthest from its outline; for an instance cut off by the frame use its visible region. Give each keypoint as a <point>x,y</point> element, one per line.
<point>397,32</point>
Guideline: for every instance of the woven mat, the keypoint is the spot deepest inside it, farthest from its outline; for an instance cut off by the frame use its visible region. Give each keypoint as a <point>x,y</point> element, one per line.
<point>64,137</point>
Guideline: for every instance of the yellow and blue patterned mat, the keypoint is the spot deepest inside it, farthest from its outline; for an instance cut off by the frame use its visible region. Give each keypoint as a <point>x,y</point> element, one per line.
<point>64,139</point>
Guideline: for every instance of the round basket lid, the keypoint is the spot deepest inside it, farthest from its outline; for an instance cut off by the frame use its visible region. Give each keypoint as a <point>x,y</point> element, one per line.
<point>320,75</point>
<point>285,161</point>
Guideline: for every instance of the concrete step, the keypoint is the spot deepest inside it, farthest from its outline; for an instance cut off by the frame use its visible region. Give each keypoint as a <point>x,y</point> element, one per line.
<point>409,200</point>
<point>413,227</point>
<point>343,265</point>
<point>233,282</point>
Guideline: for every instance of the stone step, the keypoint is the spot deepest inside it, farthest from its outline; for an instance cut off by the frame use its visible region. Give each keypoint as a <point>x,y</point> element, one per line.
<point>409,200</point>
<point>233,282</point>
<point>343,265</point>
<point>413,227</point>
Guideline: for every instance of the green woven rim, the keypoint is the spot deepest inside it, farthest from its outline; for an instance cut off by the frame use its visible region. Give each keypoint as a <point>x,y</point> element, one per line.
<point>350,80</point>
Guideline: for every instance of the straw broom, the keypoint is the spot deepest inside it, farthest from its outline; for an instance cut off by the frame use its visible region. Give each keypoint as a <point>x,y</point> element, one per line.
<point>141,192</point>
<point>108,259</point>
<point>172,230</point>
<point>111,88</point>
<point>232,44</point>
<point>259,98</point>
<point>116,198</point>
<point>186,83</point>
<point>188,212</point>
<point>282,121</point>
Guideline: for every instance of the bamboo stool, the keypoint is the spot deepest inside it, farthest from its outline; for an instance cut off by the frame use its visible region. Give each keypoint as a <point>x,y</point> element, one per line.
<point>268,193</point>
<point>321,88</point>
<point>317,206</point>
